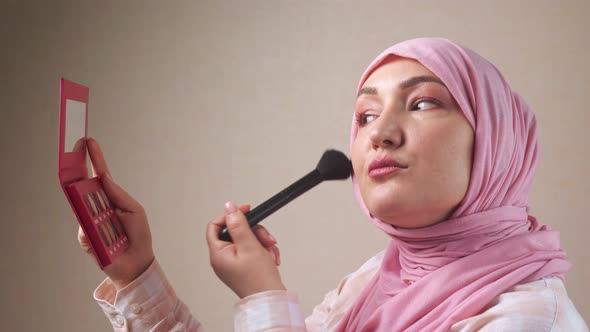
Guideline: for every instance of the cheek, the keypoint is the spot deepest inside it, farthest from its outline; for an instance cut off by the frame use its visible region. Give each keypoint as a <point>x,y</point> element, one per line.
<point>357,155</point>
<point>445,154</point>
<point>444,145</point>
<point>451,159</point>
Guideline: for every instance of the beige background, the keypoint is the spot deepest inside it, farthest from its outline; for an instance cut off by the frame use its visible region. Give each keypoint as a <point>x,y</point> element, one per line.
<point>199,102</point>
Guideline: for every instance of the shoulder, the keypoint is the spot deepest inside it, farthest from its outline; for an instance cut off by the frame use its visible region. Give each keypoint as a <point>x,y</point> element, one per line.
<point>327,315</point>
<point>357,280</point>
<point>541,305</point>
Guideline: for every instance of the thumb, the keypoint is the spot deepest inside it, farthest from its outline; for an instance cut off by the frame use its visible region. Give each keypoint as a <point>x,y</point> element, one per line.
<point>119,197</point>
<point>238,228</point>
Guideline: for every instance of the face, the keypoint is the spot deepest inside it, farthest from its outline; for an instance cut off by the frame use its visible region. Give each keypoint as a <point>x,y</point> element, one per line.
<point>413,151</point>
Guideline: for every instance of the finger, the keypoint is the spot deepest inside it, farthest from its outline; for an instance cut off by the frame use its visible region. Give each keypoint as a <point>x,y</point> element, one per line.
<point>80,145</point>
<point>272,254</point>
<point>213,228</point>
<point>119,197</point>
<point>99,164</point>
<point>84,244</point>
<point>116,195</point>
<point>277,254</point>
<point>245,208</point>
<point>238,228</point>
<point>263,236</point>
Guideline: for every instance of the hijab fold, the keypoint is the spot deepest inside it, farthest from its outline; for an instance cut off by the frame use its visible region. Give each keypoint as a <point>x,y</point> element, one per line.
<point>436,276</point>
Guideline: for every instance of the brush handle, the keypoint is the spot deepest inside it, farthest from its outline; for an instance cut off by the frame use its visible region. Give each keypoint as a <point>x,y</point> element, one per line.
<point>279,200</point>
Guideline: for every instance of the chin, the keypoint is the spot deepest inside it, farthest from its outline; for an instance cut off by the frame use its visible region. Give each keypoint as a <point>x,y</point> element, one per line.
<point>388,214</point>
<point>399,216</point>
<point>399,222</point>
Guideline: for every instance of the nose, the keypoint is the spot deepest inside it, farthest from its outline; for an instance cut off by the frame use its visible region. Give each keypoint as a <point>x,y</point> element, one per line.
<point>386,132</point>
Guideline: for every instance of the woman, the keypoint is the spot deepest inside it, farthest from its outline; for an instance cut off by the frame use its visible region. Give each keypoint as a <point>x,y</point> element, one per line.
<point>443,155</point>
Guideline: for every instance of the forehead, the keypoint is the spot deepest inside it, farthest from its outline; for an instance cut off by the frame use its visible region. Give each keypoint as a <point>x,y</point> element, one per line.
<point>394,70</point>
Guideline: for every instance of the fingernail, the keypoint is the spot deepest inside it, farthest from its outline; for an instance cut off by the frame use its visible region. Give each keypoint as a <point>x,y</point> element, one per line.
<point>277,255</point>
<point>230,208</point>
<point>274,256</point>
<point>271,237</point>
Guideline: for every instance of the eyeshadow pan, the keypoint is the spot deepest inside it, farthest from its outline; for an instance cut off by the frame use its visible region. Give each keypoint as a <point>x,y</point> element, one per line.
<point>88,206</point>
<point>108,227</point>
<point>106,235</point>
<point>102,204</point>
<point>105,198</point>
<point>104,238</point>
<point>119,226</point>
<point>115,228</point>
<point>97,201</point>
<point>92,203</point>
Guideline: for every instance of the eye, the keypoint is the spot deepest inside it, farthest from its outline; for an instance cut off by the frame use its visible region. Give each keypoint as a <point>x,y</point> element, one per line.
<point>424,104</point>
<point>364,118</point>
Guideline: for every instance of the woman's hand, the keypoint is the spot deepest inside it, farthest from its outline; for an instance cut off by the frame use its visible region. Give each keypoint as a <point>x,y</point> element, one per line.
<point>139,255</point>
<point>249,264</point>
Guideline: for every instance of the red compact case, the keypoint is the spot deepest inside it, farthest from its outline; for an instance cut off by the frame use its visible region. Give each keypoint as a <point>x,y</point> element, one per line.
<point>92,207</point>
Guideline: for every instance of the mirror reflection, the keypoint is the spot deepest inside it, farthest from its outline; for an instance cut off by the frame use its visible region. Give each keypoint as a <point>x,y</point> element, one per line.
<point>75,126</point>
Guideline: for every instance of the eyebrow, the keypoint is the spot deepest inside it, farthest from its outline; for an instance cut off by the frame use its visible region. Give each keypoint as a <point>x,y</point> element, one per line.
<point>404,85</point>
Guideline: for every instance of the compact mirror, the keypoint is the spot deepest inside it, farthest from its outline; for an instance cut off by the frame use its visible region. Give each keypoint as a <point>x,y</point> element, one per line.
<point>88,199</point>
<point>75,140</point>
<point>73,124</point>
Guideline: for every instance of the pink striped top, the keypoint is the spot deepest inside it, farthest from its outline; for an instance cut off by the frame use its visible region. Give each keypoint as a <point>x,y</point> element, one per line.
<point>150,304</point>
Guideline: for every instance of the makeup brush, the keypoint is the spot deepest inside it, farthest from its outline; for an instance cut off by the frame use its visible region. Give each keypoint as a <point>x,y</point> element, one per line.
<point>334,165</point>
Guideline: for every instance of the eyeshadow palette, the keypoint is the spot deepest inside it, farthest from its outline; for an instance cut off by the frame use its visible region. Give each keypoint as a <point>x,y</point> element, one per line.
<point>91,205</point>
<point>94,206</point>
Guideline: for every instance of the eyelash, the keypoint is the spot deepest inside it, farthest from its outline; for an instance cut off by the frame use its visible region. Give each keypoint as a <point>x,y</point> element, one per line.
<point>361,117</point>
<point>425,100</point>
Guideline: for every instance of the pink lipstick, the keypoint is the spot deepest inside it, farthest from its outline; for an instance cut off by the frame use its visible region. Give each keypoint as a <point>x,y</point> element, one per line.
<point>382,167</point>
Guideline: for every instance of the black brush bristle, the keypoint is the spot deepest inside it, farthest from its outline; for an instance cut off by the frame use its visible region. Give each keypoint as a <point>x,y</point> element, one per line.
<point>334,165</point>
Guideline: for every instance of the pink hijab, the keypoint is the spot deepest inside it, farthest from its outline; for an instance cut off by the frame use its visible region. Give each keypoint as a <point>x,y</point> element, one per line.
<point>436,276</point>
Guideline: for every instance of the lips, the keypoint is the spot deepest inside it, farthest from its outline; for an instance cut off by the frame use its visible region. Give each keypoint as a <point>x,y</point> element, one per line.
<point>383,167</point>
